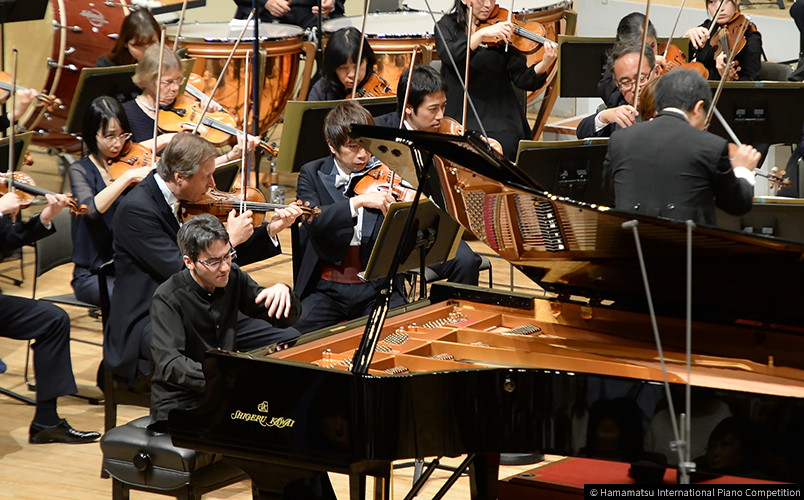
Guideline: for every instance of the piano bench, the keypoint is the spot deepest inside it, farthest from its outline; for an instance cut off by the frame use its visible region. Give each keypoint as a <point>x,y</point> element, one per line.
<point>138,458</point>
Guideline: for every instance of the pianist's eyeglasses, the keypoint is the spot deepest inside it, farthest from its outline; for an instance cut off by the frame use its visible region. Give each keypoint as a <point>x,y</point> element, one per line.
<point>215,263</point>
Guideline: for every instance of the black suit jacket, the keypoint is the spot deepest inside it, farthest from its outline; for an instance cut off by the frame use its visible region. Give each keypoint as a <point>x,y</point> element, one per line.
<point>146,254</point>
<point>14,235</point>
<point>387,120</point>
<point>300,14</point>
<point>327,236</point>
<point>587,126</point>
<point>668,168</point>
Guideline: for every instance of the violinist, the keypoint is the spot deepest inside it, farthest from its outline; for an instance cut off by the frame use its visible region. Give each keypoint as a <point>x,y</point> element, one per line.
<point>623,62</point>
<point>46,324</point>
<point>427,101</point>
<point>670,167</point>
<point>629,29</point>
<point>492,72</point>
<point>339,68</point>
<point>106,132</point>
<point>746,64</point>
<point>146,253</point>
<point>335,245</point>
<point>142,110</point>
<point>138,32</point>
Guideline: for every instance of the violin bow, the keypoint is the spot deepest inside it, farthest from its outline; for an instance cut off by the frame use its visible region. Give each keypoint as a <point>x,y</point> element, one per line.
<point>158,90</point>
<point>11,129</point>
<point>181,25</point>
<point>470,25</point>
<point>360,48</point>
<point>673,31</point>
<point>418,47</point>
<point>244,163</point>
<point>729,60</point>
<point>510,15</point>
<point>223,70</point>
<point>642,55</point>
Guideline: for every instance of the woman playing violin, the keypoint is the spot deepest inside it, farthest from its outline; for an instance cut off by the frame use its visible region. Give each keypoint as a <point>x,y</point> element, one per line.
<point>494,97</point>
<point>142,110</point>
<point>106,132</point>
<point>138,32</point>
<point>746,62</point>
<point>339,68</point>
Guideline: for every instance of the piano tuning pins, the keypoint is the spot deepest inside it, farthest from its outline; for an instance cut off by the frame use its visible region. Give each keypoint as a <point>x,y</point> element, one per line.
<point>523,330</point>
<point>396,338</point>
<point>326,358</point>
<point>444,356</point>
<point>397,370</point>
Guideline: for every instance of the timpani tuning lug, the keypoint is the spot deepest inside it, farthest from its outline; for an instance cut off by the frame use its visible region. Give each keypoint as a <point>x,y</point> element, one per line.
<point>53,65</point>
<point>58,26</point>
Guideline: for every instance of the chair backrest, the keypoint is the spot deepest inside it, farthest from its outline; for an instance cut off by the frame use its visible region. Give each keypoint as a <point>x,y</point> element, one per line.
<point>774,72</point>
<point>56,249</point>
<point>104,271</point>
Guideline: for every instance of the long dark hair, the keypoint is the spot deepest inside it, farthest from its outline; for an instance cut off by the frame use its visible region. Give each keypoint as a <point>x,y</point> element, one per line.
<point>343,47</point>
<point>139,26</point>
<point>460,12</point>
<point>101,111</point>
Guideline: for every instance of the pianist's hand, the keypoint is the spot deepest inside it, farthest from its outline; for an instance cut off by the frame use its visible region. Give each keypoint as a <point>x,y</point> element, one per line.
<point>277,299</point>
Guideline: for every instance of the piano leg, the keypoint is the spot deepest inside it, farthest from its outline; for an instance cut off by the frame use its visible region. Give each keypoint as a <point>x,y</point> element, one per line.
<point>278,482</point>
<point>484,473</point>
<point>382,483</point>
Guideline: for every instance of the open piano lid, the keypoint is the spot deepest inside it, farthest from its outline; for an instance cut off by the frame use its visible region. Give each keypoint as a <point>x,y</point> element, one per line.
<point>573,248</point>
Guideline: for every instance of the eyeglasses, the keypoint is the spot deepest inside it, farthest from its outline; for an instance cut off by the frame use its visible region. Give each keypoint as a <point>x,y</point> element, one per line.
<point>629,84</point>
<point>216,263</point>
<point>116,138</point>
<point>178,82</point>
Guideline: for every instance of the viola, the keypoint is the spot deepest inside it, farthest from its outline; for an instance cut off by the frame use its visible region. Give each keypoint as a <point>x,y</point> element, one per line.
<point>51,101</point>
<point>28,191</point>
<point>220,126</point>
<point>374,86</point>
<point>677,59</point>
<point>378,177</point>
<point>220,203</point>
<point>731,37</point>
<point>527,38</point>
<point>133,155</point>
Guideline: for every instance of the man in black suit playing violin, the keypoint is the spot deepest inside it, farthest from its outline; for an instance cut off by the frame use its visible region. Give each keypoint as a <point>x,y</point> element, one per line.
<point>46,324</point>
<point>670,167</point>
<point>146,253</point>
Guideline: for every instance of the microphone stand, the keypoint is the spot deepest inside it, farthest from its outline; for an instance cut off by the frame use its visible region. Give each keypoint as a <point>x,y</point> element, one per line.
<point>319,39</point>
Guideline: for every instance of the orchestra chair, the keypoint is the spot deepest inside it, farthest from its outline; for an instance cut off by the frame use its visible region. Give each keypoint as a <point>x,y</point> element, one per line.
<point>431,276</point>
<point>141,459</point>
<point>774,71</point>
<point>115,391</point>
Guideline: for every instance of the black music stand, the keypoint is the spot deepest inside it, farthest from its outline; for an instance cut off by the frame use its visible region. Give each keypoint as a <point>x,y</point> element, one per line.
<point>21,142</point>
<point>174,6</point>
<point>433,238</point>
<point>303,135</point>
<point>113,81</point>
<point>573,169</point>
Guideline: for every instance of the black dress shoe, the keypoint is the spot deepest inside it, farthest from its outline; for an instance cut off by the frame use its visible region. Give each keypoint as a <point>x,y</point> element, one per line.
<point>59,433</point>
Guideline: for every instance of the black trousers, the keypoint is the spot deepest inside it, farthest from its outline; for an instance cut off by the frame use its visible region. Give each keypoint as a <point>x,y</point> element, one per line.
<point>49,327</point>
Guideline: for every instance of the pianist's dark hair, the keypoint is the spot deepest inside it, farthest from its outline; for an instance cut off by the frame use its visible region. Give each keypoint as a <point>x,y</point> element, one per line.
<point>199,233</point>
<point>339,120</point>
<point>101,111</point>
<point>426,80</point>
<point>630,27</point>
<point>185,154</point>
<point>682,88</point>
<point>626,47</point>
<point>343,46</point>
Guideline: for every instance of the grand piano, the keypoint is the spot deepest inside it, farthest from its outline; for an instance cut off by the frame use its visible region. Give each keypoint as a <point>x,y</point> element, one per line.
<point>572,371</point>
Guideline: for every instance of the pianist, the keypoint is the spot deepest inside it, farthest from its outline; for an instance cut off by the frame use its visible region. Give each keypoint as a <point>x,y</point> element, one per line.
<point>196,310</point>
<point>670,167</point>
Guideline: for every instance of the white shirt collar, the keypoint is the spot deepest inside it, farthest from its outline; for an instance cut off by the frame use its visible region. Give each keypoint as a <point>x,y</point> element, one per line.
<point>678,112</point>
<point>170,198</point>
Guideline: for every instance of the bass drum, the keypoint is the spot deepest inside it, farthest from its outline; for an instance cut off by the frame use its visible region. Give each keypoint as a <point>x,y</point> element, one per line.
<point>392,37</point>
<point>80,31</point>
<point>281,45</point>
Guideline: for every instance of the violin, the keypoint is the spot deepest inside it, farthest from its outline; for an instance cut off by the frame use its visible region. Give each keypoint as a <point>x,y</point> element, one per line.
<point>28,191</point>
<point>51,101</point>
<point>677,59</point>
<point>220,203</point>
<point>731,38</point>
<point>375,86</point>
<point>378,177</point>
<point>775,176</point>
<point>450,126</point>
<point>133,155</point>
<point>527,38</point>
<point>184,114</point>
